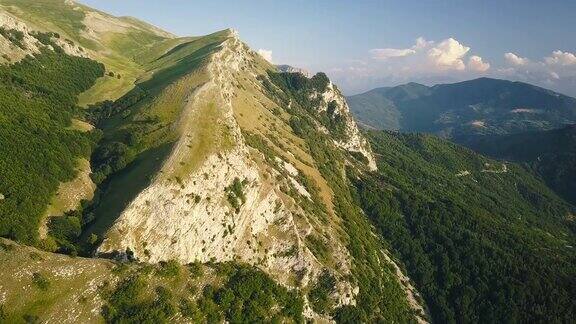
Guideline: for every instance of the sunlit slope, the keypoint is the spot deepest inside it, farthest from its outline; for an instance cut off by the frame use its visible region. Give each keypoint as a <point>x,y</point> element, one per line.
<point>203,151</point>
<point>45,287</point>
<point>114,41</point>
<point>201,161</point>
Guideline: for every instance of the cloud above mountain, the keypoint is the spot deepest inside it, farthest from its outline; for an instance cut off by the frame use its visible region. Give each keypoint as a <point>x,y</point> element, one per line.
<point>427,61</point>
<point>266,54</point>
<point>451,60</point>
<point>514,59</point>
<point>561,58</point>
<point>446,55</point>
<point>476,63</point>
<point>556,71</point>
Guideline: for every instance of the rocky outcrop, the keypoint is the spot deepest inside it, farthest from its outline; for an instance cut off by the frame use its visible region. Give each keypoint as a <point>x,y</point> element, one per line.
<point>290,69</point>
<point>19,41</point>
<point>354,141</point>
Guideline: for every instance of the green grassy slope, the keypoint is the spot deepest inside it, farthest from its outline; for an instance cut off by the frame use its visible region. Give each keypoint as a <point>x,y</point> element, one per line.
<point>39,286</point>
<point>141,127</point>
<point>113,41</point>
<point>482,245</point>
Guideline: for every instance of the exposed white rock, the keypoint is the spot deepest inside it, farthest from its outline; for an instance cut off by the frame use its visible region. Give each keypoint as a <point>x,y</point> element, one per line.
<point>478,123</point>
<point>355,142</point>
<point>9,51</point>
<point>290,69</point>
<point>31,46</point>
<point>411,292</point>
<point>525,110</point>
<point>504,169</point>
<point>463,173</point>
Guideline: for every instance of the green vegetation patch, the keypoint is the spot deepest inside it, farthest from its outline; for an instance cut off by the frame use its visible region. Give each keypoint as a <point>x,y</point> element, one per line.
<point>250,296</point>
<point>15,36</point>
<point>130,303</point>
<point>241,294</point>
<point>320,293</point>
<point>41,281</point>
<point>235,194</point>
<point>38,149</point>
<point>482,247</point>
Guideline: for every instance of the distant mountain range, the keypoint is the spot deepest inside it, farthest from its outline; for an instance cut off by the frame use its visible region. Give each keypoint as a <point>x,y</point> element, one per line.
<point>476,107</point>
<point>502,119</point>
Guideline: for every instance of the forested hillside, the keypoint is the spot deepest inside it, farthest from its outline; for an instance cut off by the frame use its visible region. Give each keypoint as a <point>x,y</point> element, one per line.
<point>550,154</point>
<point>39,147</point>
<point>484,240</point>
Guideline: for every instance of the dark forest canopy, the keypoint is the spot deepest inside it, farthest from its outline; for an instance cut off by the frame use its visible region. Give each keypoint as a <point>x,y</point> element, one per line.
<point>38,148</point>
<point>482,245</point>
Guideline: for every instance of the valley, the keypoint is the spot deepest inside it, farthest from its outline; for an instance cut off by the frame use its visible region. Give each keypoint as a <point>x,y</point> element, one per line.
<point>148,177</point>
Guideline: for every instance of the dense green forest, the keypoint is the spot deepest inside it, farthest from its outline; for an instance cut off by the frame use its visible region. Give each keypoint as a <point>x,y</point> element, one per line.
<point>38,148</point>
<point>242,294</point>
<point>550,154</point>
<point>483,242</point>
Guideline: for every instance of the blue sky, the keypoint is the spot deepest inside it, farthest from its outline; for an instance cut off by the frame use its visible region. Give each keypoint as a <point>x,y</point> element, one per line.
<point>367,43</point>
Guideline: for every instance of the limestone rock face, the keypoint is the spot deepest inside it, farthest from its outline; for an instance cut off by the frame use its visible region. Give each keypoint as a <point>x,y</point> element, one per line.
<point>28,45</point>
<point>354,141</point>
<point>291,69</point>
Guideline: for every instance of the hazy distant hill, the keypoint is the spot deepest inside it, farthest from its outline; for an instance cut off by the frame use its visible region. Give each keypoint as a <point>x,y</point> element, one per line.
<point>481,106</point>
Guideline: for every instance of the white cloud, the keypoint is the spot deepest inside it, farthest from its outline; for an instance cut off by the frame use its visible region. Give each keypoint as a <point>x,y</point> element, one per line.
<point>266,54</point>
<point>475,63</point>
<point>514,59</point>
<point>554,76</point>
<point>561,58</point>
<point>386,53</point>
<point>448,55</point>
<point>449,60</point>
<point>422,43</point>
